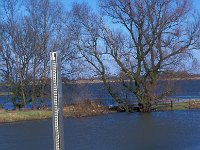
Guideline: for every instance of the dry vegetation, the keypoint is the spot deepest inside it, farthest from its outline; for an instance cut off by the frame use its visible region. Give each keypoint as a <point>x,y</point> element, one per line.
<point>81,109</point>
<point>84,108</point>
<point>194,104</point>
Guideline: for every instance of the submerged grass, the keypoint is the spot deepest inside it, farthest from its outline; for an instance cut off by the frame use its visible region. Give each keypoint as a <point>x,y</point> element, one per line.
<point>191,104</point>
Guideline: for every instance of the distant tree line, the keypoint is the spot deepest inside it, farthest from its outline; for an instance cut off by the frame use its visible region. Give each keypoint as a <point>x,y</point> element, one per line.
<point>133,40</point>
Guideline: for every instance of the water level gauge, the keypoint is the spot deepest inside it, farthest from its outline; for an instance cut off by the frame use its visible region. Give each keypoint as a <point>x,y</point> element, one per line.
<point>57,106</point>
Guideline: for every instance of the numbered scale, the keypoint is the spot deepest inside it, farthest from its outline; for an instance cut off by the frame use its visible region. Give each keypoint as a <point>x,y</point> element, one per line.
<point>57,106</point>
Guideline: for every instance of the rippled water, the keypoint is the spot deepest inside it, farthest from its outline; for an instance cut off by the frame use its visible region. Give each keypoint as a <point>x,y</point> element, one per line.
<point>172,130</point>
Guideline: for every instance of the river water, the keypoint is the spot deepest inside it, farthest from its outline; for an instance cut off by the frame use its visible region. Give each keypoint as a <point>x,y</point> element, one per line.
<point>72,93</point>
<point>170,130</point>
<point>181,90</point>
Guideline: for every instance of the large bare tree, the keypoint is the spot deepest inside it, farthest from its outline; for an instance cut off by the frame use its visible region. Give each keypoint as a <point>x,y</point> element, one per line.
<point>155,36</point>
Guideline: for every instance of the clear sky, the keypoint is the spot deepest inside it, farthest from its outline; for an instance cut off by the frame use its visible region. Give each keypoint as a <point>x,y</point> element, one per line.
<point>196,4</point>
<point>93,3</point>
<point>68,3</point>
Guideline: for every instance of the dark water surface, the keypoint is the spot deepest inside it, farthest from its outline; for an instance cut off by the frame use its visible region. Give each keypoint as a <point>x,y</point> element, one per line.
<point>172,130</point>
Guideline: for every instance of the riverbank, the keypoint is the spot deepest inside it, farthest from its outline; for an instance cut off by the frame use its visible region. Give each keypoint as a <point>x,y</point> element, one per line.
<point>82,109</point>
<point>85,109</point>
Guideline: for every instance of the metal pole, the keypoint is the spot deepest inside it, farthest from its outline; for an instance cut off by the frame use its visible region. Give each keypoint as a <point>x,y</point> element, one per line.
<point>57,106</point>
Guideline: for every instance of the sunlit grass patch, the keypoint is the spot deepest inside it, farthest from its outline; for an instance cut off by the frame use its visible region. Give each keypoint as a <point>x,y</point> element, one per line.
<point>12,116</point>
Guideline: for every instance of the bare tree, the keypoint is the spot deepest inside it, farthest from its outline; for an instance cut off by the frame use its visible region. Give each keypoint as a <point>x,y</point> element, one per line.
<point>86,30</point>
<point>26,43</point>
<point>11,48</point>
<point>44,19</point>
<point>32,21</point>
<point>155,36</point>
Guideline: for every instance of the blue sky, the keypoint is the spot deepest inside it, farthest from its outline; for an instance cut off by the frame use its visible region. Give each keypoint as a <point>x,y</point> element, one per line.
<point>93,3</point>
<point>196,4</point>
<point>68,3</point>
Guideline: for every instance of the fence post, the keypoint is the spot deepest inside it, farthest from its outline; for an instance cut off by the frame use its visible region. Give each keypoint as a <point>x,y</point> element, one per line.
<point>171,104</point>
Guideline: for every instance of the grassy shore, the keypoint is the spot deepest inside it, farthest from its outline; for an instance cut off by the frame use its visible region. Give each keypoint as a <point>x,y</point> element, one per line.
<point>13,116</point>
<point>5,93</point>
<point>86,108</point>
<point>82,109</point>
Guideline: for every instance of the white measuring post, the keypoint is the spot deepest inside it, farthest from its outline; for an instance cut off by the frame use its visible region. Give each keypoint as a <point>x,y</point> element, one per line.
<point>57,104</point>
